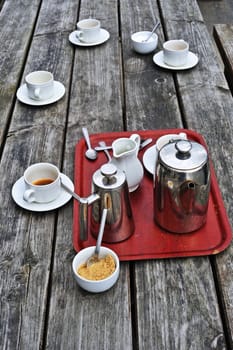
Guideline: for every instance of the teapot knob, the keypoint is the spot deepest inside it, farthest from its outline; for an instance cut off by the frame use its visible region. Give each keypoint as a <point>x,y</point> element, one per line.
<point>108,169</point>
<point>183,147</point>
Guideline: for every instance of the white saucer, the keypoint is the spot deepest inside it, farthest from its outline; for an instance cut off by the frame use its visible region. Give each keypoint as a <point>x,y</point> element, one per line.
<point>191,62</point>
<point>19,187</point>
<point>104,36</point>
<point>22,95</point>
<point>149,159</point>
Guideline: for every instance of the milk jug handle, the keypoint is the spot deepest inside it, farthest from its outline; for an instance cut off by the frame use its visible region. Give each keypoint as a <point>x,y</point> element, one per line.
<point>137,139</point>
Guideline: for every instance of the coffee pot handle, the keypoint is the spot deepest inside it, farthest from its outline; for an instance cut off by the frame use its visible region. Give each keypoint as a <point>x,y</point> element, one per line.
<point>83,214</point>
<point>83,219</point>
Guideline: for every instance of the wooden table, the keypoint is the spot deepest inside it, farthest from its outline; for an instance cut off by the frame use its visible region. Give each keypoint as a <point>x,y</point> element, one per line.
<point>157,304</point>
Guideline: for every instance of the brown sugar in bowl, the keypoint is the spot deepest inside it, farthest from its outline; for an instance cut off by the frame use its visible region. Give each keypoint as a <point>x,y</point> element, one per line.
<point>98,270</point>
<point>97,285</point>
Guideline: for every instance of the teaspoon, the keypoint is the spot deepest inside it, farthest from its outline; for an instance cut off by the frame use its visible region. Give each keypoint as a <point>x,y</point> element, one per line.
<point>95,256</point>
<point>90,152</point>
<point>103,144</point>
<point>143,144</point>
<point>153,30</point>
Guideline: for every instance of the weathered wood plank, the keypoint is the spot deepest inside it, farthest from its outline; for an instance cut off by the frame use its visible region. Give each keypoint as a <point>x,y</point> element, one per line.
<point>223,34</point>
<point>16,30</point>
<point>224,262</point>
<point>150,95</point>
<point>36,249</point>
<point>96,96</point>
<point>177,307</point>
<point>27,239</point>
<point>208,87</point>
<point>93,321</point>
<point>57,16</point>
<point>216,11</point>
<point>196,321</point>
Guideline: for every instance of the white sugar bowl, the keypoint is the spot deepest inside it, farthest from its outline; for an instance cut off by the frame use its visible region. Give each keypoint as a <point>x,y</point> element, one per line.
<point>142,46</point>
<point>94,286</point>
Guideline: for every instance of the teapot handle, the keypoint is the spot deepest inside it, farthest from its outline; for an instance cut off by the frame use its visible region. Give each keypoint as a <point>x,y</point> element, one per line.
<point>137,139</point>
<point>83,214</point>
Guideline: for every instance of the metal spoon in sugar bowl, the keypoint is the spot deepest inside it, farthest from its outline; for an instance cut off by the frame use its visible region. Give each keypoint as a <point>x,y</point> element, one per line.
<point>95,256</point>
<point>152,32</point>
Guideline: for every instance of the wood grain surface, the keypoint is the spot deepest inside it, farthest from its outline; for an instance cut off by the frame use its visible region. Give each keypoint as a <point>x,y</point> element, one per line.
<point>170,304</point>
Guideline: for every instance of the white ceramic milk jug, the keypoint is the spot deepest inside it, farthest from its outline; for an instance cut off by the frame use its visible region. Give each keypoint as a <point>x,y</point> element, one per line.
<point>125,157</point>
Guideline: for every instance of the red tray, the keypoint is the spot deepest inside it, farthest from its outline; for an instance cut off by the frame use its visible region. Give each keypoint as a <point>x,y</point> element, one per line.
<point>150,241</point>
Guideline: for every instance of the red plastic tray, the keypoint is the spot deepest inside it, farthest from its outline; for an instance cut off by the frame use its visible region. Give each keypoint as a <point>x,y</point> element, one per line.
<point>149,241</point>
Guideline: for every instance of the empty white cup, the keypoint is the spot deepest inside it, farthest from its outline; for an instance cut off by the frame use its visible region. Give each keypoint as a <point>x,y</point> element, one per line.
<point>88,30</point>
<point>40,85</point>
<point>175,52</point>
<point>42,183</point>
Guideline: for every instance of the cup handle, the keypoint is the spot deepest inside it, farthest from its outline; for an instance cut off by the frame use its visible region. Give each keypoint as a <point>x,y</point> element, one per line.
<point>28,196</point>
<point>80,35</point>
<point>137,139</point>
<point>37,93</point>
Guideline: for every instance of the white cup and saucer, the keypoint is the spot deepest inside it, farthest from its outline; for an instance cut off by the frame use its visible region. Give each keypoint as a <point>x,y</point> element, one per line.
<point>40,189</point>
<point>89,33</point>
<point>175,56</point>
<point>151,154</point>
<point>40,89</point>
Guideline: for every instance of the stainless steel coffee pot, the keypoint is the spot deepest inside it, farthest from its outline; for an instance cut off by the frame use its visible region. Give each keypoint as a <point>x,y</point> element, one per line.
<point>181,186</point>
<point>110,191</point>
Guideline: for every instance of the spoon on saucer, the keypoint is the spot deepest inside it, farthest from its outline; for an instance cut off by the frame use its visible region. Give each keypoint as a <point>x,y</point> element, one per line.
<point>90,152</point>
<point>153,30</point>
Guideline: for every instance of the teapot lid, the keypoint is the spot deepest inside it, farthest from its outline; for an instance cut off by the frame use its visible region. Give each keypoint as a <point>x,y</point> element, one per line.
<point>183,155</point>
<point>109,176</point>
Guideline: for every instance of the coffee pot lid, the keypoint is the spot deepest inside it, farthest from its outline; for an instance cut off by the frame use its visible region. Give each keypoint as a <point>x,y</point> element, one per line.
<point>109,176</point>
<point>183,155</point>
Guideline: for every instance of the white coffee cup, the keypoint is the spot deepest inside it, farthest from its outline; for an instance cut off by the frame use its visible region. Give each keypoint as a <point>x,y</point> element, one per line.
<point>88,30</point>
<point>163,140</point>
<point>175,52</point>
<point>40,85</point>
<point>42,183</point>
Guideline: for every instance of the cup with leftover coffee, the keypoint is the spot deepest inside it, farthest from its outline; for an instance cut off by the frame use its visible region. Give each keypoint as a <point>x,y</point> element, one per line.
<point>42,183</point>
<point>40,85</point>
<point>88,30</point>
<point>175,52</point>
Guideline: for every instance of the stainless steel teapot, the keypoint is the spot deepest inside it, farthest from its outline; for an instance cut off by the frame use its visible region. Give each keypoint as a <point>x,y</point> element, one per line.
<point>181,186</point>
<point>109,191</point>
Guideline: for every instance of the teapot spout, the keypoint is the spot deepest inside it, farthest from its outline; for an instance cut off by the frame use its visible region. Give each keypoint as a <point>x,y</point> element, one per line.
<point>187,196</point>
